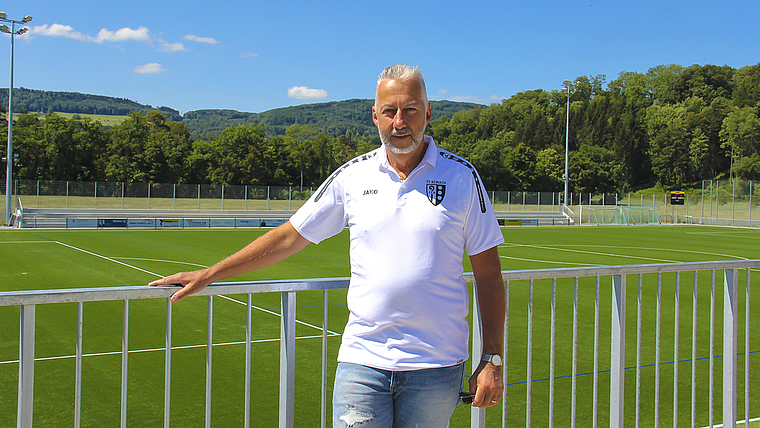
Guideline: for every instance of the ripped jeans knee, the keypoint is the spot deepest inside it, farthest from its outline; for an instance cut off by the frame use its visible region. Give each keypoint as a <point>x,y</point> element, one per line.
<point>352,417</point>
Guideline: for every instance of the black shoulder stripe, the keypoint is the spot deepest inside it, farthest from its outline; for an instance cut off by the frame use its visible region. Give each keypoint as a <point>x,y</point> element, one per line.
<point>455,158</point>
<point>330,179</point>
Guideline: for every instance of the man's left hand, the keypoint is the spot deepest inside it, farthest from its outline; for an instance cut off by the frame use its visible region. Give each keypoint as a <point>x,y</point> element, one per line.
<point>487,384</point>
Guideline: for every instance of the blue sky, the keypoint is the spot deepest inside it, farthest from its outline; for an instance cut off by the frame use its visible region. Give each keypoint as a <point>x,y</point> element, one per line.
<point>259,55</point>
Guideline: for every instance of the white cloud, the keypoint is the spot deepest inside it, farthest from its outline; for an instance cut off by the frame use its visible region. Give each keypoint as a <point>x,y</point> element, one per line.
<point>58,30</point>
<point>150,68</point>
<point>469,99</point>
<point>173,47</point>
<point>442,92</point>
<point>304,93</point>
<point>249,55</point>
<point>209,40</point>
<point>123,34</point>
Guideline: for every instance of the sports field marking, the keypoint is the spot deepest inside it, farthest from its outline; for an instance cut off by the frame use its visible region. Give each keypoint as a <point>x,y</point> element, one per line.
<point>705,253</point>
<point>174,348</point>
<point>330,333</point>
<point>737,423</point>
<point>566,248</point>
<point>596,253</point>
<point>161,260</point>
<point>26,242</point>
<point>545,261</point>
<point>737,234</point>
<point>107,258</point>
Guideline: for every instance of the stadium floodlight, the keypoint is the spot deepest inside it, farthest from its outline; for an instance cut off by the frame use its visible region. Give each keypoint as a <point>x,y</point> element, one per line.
<point>570,87</point>
<point>9,159</point>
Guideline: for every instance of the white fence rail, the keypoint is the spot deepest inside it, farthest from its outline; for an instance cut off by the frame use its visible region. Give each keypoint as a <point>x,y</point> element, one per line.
<point>649,278</point>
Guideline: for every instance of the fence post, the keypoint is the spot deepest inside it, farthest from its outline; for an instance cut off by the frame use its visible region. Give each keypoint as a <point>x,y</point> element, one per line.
<point>287,359</point>
<point>26,368</point>
<point>95,194</point>
<point>477,415</point>
<point>617,352</point>
<point>730,347</point>
<point>733,199</point>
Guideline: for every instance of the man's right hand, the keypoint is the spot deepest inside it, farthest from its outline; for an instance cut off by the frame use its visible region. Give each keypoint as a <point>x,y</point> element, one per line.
<point>191,282</point>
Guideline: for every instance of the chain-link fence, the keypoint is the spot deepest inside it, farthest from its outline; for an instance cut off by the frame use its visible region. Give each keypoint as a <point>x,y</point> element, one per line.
<point>717,199</point>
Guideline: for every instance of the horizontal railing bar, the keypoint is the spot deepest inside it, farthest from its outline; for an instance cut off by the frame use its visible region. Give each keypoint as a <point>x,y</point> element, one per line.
<point>36,297</point>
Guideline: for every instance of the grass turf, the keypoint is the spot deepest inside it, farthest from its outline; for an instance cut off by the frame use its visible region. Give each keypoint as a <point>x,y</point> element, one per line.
<point>46,259</point>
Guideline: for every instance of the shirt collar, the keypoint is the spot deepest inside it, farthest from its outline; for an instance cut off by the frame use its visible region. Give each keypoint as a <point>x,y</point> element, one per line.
<point>431,154</point>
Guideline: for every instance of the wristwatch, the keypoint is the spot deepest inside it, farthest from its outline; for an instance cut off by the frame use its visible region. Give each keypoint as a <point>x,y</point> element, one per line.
<point>494,359</point>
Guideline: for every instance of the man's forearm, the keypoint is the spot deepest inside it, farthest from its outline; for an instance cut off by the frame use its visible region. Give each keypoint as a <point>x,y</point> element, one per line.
<point>272,247</point>
<point>491,299</point>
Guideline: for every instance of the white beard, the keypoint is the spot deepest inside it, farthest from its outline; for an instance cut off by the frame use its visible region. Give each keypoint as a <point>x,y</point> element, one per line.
<point>416,141</point>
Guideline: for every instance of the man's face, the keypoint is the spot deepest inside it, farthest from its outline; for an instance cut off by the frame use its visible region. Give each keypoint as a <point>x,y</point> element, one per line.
<point>401,115</point>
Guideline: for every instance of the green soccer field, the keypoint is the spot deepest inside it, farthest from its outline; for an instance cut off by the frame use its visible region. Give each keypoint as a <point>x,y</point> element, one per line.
<point>49,259</point>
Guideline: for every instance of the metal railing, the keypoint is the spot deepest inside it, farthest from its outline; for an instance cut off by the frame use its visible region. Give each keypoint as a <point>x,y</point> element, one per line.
<point>521,284</point>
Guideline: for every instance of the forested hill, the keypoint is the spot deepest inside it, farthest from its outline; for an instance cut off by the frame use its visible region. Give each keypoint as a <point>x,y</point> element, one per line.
<point>333,118</point>
<point>33,100</point>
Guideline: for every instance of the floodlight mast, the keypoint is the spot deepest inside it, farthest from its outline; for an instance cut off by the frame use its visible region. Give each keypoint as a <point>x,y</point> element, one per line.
<point>568,86</point>
<point>9,159</point>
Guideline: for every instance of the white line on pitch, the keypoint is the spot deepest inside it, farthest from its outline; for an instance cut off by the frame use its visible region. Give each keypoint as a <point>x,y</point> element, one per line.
<point>174,348</point>
<point>107,258</point>
<point>330,332</point>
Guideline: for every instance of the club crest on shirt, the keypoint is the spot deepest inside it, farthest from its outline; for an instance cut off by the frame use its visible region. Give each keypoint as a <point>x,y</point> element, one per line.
<point>436,191</point>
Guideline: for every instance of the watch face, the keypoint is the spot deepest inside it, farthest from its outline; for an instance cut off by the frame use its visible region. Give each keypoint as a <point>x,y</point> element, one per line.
<point>496,360</point>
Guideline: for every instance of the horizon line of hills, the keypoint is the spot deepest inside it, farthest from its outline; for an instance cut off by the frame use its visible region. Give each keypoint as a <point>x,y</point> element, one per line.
<point>334,118</point>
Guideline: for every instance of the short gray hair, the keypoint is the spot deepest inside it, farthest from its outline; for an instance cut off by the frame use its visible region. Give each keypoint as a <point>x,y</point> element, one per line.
<point>403,73</point>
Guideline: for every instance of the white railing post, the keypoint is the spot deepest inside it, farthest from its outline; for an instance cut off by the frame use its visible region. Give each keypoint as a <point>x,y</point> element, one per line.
<point>287,359</point>
<point>477,414</point>
<point>248,334</point>
<point>124,361</point>
<point>730,341</point>
<point>209,354</point>
<point>168,365</point>
<point>323,403</point>
<point>26,368</point>
<point>78,374</point>
<point>617,351</point>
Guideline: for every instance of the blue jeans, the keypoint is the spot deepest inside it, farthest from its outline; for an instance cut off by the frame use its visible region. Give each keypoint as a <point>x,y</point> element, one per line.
<point>371,398</point>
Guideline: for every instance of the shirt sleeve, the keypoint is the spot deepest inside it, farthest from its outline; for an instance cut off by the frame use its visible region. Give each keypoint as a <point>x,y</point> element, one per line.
<point>481,228</point>
<point>323,215</point>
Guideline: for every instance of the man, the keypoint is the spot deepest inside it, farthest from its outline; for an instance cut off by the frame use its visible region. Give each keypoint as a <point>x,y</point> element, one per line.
<point>412,210</point>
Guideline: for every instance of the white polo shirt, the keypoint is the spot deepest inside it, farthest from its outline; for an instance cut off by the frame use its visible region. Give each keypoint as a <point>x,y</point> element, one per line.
<point>407,299</point>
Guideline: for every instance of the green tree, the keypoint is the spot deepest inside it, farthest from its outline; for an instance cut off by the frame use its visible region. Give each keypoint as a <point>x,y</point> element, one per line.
<point>298,139</point>
<point>740,134</point>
